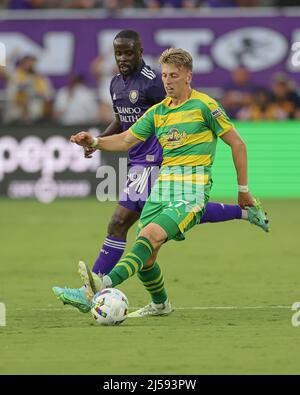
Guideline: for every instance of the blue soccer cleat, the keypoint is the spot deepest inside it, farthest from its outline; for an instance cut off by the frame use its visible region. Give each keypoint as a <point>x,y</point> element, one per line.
<point>73,296</point>
<point>258,217</point>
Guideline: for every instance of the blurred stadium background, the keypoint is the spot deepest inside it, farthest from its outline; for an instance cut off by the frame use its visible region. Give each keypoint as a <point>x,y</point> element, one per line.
<point>59,63</point>
<point>56,64</point>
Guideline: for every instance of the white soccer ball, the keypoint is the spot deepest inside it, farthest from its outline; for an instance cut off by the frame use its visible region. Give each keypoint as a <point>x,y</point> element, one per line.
<point>109,307</point>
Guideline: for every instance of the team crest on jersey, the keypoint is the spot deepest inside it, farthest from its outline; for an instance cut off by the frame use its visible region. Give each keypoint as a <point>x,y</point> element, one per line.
<point>174,138</point>
<point>133,96</point>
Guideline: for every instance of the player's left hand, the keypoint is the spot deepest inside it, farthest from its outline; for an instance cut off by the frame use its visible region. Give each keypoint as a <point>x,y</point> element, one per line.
<point>245,199</point>
<point>84,139</point>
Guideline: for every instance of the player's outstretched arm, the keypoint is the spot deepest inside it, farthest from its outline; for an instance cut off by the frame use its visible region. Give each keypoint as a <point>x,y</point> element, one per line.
<point>239,155</point>
<point>119,142</point>
<point>115,127</point>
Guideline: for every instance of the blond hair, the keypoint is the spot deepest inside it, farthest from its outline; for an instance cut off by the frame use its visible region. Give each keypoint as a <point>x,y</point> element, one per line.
<point>177,56</point>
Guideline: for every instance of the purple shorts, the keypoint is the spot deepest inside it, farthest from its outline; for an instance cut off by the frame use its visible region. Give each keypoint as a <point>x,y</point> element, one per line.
<point>138,186</point>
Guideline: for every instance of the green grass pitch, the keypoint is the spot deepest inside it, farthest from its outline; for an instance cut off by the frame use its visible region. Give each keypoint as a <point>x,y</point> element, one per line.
<point>231,284</point>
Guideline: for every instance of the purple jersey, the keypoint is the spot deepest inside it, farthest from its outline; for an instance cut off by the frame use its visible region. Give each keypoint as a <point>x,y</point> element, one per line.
<point>131,99</point>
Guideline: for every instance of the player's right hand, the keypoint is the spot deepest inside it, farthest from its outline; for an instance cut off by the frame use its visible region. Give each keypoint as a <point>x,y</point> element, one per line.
<point>245,199</point>
<point>84,139</point>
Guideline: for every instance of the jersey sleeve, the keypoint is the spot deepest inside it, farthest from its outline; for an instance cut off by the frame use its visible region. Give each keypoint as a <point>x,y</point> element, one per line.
<point>112,96</point>
<point>144,127</point>
<point>156,91</point>
<point>216,118</point>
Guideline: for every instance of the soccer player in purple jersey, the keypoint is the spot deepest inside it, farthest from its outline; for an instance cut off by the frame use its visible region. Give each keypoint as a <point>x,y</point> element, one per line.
<point>133,91</point>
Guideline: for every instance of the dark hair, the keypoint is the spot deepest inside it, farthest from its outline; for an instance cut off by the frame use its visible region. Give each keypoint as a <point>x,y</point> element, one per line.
<point>130,34</point>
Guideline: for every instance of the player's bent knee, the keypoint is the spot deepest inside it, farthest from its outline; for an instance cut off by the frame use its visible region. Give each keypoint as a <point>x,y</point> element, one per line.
<point>118,226</point>
<point>155,234</point>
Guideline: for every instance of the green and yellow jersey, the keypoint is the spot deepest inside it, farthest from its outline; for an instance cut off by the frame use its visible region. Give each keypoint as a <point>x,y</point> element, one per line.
<point>187,133</point>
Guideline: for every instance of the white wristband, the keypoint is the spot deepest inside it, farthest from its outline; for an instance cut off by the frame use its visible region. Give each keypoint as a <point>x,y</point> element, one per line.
<point>243,188</point>
<point>95,142</point>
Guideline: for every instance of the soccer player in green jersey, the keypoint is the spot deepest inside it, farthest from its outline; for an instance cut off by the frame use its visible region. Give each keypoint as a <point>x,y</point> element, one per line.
<point>187,124</point>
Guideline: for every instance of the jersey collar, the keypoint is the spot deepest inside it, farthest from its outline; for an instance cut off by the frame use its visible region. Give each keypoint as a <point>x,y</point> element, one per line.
<point>169,99</point>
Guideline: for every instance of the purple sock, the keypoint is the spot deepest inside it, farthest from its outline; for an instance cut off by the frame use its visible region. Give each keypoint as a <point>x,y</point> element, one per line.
<point>219,212</point>
<point>110,254</point>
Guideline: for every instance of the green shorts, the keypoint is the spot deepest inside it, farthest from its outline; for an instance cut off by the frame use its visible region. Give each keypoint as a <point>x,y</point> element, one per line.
<point>177,214</point>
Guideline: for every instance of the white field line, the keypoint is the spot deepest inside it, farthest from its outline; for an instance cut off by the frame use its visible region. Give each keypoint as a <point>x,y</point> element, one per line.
<point>278,307</point>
